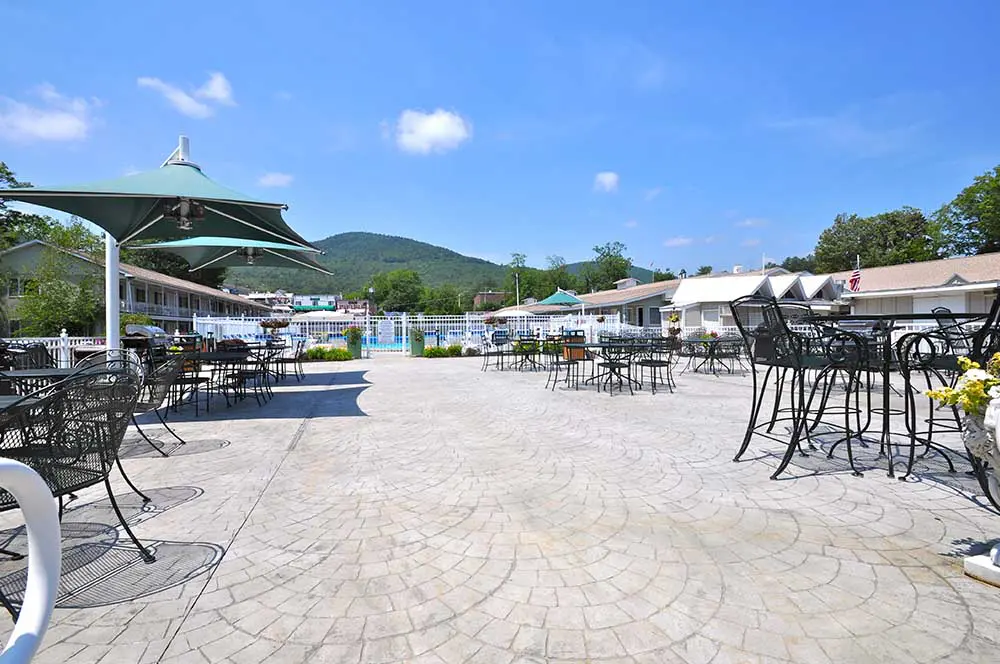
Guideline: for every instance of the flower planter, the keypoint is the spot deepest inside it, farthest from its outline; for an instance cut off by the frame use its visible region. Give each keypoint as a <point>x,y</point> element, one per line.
<point>416,347</point>
<point>355,348</point>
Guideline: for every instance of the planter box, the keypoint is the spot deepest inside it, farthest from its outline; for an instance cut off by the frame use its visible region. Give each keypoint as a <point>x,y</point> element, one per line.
<point>416,347</point>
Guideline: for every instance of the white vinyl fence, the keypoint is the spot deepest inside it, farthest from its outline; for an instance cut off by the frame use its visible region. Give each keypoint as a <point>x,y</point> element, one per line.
<point>391,334</point>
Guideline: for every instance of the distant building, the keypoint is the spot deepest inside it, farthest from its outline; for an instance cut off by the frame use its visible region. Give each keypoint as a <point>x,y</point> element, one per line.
<point>330,303</point>
<point>481,299</point>
<point>638,304</point>
<point>279,301</point>
<point>169,301</point>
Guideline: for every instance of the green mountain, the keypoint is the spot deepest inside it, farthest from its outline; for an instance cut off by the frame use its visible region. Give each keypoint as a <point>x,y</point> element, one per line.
<point>355,257</point>
<point>640,273</point>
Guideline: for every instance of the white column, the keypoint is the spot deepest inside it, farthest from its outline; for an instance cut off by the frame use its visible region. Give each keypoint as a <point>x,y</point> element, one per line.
<point>112,306</point>
<point>65,359</point>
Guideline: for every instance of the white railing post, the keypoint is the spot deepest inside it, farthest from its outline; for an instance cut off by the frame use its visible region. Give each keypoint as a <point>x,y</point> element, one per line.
<point>65,360</point>
<point>405,335</point>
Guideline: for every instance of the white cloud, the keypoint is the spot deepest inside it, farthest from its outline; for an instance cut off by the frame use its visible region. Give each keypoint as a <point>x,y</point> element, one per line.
<point>56,118</point>
<point>712,239</point>
<point>653,193</point>
<point>863,134</point>
<point>677,242</point>
<point>275,180</point>
<point>418,132</point>
<point>216,89</point>
<point>631,223</point>
<point>751,242</point>
<point>606,181</point>
<point>752,222</point>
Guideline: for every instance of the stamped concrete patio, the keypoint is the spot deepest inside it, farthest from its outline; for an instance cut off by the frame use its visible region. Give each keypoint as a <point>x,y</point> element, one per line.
<point>398,510</point>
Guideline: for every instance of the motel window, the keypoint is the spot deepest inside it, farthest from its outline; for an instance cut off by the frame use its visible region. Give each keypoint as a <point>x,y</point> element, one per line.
<point>157,298</point>
<point>654,316</point>
<point>710,314</point>
<point>182,301</point>
<point>140,294</point>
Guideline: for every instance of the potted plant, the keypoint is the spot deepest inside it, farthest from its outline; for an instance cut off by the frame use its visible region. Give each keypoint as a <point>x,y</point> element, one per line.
<point>674,324</point>
<point>273,324</point>
<point>977,393</point>
<point>353,335</point>
<point>416,342</point>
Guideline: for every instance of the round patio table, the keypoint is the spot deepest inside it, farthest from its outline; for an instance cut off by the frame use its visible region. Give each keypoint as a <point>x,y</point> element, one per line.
<point>886,357</point>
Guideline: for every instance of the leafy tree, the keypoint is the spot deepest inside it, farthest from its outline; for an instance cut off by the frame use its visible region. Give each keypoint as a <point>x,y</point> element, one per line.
<point>800,263</point>
<point>889,238</point>
<point>518,261</point>
<point>664,275</point>
<point>441,301</point>
<point>704,269</point>
<point>971,222</point>
<point>398,290</point>
<point>559,276</point>
<point>609,265</point>
<point>51,303</point>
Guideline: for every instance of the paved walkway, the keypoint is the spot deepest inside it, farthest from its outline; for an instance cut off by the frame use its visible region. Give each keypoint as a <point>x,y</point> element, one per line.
<point>402,510</point>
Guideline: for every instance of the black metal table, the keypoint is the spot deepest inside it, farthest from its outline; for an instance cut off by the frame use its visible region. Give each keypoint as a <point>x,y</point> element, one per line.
<point>38,374</point>
<point>8,400</point>
<point>885,325</point>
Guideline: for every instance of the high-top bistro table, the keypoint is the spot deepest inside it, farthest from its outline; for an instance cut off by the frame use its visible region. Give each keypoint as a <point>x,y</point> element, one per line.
<point>884,325</point>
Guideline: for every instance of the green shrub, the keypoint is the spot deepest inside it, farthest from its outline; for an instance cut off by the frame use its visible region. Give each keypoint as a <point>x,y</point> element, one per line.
<point>435,351</point>
<point>454,350</point>
<point>416,334</point>
<point>133,319</point>
<point>353,334</point>
<point>324,354</point>
<point>470,351</point>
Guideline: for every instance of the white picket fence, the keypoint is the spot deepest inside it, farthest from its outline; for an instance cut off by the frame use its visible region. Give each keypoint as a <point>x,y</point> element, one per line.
<point>390,334</point>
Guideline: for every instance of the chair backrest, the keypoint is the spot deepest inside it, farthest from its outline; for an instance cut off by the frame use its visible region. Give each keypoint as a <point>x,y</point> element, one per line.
<point>114,360</point>
<point>29,356</point>
<point>986,340</point>
<point>766,336</point>
<point>70,435</point>
<point>500,337</point>
<point>157,384</point>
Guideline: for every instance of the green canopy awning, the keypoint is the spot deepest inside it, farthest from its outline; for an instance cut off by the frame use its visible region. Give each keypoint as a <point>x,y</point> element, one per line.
<point>148,205</point>
<point>217,252</point>
<point>562,298</point>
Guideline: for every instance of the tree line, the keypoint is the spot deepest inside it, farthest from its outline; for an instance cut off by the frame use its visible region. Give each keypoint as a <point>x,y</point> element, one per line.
<point>967,225</point>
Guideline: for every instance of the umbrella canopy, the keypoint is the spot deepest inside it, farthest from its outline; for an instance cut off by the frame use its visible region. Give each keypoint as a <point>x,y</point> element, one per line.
<point>216,252</point>
<point>561,297</point>
<point>510,313</point>
<point>176,200</point>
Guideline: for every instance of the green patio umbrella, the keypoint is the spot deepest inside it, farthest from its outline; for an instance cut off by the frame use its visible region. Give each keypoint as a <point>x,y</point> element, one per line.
<point>176,200</point>
<point>561,297</point>
<point>216,252</point>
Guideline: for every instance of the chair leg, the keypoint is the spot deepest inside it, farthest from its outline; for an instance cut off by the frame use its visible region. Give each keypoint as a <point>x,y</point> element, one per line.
<point>128,480</point>
<point>172,432</point>
<point>147,438</point>
<point>146,555</point>
<point>755,404</point>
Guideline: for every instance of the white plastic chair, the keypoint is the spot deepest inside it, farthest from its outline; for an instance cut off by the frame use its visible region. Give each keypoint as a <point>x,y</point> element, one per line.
<point>44,559</point>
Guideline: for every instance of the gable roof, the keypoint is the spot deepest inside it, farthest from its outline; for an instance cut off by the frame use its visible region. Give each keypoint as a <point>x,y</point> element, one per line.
<point>619,296</point>
<point>814,284</point>
<point>720,289</point>
<point>984,268</point>
<point>785,284</point>
<point>126,270</point>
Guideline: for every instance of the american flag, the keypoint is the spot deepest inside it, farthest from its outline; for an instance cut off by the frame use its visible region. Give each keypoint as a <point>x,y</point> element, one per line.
<point>854,283</point>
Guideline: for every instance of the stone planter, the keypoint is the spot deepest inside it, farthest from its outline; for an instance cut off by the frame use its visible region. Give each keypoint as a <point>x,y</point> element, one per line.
<point>980,438</point>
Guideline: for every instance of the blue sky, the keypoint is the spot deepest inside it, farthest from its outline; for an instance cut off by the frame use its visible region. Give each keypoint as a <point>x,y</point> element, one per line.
<point>694,132</point>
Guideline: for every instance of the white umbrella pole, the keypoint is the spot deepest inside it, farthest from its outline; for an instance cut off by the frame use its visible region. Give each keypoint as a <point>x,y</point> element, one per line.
<point>112,306</point>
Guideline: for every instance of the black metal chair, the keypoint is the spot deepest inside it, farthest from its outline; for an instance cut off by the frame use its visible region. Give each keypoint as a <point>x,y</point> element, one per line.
<point>616,363</point>
<point>70,434</point>
<point>558,358</point>
<point>294,360</point>
<point>655,357</point>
